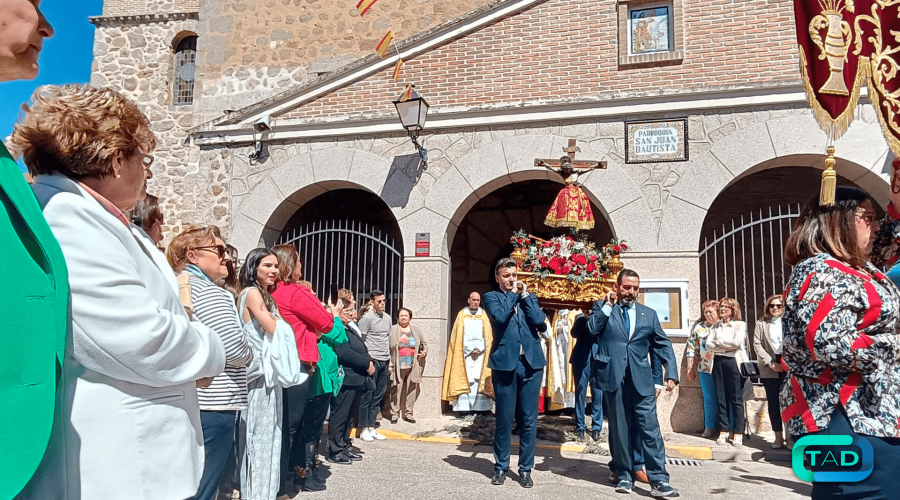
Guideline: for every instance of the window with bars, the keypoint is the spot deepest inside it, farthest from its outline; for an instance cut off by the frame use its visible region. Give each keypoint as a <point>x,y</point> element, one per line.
<point>185,55</point>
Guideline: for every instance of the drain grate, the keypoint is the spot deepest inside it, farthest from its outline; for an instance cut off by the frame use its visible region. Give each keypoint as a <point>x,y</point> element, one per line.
<point>685,462</point>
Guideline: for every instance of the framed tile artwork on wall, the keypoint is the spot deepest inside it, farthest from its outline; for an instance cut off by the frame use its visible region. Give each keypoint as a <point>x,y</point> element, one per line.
<point>649,29</point>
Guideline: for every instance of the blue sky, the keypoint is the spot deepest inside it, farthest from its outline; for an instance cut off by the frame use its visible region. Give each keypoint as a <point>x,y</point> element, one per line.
<point>66,57</point>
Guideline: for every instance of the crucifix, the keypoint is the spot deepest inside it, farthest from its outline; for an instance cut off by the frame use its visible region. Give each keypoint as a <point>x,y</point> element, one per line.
<point>568,165</point>
<point>572,208</point>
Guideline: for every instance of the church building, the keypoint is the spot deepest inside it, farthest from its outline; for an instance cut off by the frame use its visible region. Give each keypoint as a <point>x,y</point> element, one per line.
<point>276,122</point>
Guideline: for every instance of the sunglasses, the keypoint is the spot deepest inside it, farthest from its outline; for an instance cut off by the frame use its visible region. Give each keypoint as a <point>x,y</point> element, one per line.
<point>776,306</point>
<point>219,250</point>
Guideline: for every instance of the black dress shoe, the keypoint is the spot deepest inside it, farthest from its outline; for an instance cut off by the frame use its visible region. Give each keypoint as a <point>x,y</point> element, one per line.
<point>525,479</point>
<point>410,420</point>
<point>356,457</point>
<point>595,436</point>
<point>340,458</point>
<point>394,420</point>
<point>499,477</point>
<point>579,435</point>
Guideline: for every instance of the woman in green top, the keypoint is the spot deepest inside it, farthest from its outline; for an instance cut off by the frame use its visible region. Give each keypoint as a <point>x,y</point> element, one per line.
<point>325,383</point>
<point>33,284</point>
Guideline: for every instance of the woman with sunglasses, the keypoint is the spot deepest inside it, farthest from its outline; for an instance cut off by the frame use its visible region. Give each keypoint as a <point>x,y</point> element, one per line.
<point>726,341</point>
<point>840,340</point>
<point>130,413</point>
<point>700,360</point>
<point>768,343</point>
<point>201,254</point>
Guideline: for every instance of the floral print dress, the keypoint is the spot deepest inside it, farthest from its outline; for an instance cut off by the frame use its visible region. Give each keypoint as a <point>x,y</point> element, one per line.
<point>696,347</point>
<point>841,348</point>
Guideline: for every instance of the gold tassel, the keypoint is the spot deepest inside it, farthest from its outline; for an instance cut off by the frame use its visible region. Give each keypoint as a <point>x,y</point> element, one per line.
<point>829,181</point>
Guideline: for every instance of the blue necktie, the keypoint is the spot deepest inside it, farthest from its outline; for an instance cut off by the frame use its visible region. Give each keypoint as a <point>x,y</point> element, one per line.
<point>627,322</point>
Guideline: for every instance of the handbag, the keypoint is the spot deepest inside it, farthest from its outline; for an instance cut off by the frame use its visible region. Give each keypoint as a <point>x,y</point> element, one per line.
<point>275,356</point>
<point>746,366</point>
<point>280,361</point>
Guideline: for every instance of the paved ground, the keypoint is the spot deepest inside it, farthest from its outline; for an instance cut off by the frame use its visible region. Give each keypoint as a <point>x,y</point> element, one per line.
<point>410,469</point>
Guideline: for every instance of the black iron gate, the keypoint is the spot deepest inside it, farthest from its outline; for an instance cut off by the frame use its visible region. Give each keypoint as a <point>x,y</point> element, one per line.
<point>349,254</point>
<point>745,260</point>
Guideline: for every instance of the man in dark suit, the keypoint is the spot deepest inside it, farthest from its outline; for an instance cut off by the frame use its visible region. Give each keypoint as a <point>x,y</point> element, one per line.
<point>517,362</point>
<point>582,355</point>
<point>626,334</point>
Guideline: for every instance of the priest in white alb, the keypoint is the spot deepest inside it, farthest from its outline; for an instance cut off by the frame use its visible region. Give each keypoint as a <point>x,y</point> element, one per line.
<point>467,378</point>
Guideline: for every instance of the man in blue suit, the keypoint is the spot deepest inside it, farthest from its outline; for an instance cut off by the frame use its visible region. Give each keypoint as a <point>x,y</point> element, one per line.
<point>626,334</point>
<point>582,355</point>
<point>517,363</point>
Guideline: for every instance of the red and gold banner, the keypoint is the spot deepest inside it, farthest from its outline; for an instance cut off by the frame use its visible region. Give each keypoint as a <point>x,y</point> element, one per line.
<point>397,69</point>
<point>842,43</point>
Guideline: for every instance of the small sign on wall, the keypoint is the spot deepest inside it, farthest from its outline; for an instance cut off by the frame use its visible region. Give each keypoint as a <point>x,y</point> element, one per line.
<point>423,244</point>
<point>656,141</point>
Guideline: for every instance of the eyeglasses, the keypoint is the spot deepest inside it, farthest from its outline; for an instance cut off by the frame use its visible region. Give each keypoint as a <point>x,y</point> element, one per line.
<point>146,160</point>
<point>866,216</point>
<point>219,250</point>
<point>776,306</point>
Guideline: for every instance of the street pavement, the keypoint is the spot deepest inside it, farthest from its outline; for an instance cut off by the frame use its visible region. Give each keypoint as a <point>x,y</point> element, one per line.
<point>411,469</point>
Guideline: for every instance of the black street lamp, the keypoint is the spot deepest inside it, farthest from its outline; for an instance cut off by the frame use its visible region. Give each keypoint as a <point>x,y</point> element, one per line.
<point>413,111</point>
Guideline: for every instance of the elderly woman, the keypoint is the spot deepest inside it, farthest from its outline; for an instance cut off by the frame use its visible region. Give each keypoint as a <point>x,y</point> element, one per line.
<point>354,359</point>
<point>148,216</point>
<point>767,343</point>
<point>201,253</point>
<point>700,360</point>
<point>726,341</point>
<point>840,341</point>
<point>408,351</point>
<point>33,285</point>
<point>132,415</point>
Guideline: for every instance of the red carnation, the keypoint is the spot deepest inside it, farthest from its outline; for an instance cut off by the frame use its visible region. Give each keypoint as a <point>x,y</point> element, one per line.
<point>617,249</point>
<point>591,267</point>
<point>624,246</point>
<point>579,259</point>
<point>566,269</point>
<point>520,241</point>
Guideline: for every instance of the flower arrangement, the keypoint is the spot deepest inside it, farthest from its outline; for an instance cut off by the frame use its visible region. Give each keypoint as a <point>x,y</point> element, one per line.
<point>615,246</point>
<point>571,256</point>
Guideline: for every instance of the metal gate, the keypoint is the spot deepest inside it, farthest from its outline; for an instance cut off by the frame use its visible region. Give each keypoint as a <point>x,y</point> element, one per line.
<point>746,260</point>
<point>349,254</point>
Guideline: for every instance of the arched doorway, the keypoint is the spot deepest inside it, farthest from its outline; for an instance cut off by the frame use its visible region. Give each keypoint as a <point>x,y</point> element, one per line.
<point>483,234</point>
<point>742,241</point>
<point>349,238</point>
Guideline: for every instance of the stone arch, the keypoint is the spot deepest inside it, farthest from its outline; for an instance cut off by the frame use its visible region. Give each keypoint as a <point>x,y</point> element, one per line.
<point>179,37</point>
<point>794,140</point>
<point>267,194</point>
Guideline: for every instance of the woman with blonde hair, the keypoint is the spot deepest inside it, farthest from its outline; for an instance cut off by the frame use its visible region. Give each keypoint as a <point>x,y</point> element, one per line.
<point>726,341</point>
<point>310,320</point>
<point>768,344</point>
<point>131,413</point>
<point>700,360</point>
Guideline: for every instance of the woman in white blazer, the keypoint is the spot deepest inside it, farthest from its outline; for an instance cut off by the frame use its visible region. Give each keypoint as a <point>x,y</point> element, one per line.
<point>128,422</point>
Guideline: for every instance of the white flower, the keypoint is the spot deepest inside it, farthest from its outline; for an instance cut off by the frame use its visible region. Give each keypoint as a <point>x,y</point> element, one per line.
<point>564,252</point>
<point>548,251</point>
<point>579,245</point>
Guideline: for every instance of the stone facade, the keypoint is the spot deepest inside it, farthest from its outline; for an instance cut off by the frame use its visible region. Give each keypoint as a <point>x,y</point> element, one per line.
<point>504,91</point>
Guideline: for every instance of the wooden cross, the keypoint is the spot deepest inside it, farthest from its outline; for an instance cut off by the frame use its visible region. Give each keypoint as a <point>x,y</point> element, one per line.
<point>570,152</point>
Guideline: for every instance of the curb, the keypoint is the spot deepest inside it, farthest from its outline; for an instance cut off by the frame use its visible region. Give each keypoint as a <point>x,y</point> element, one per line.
<point>673,451</point>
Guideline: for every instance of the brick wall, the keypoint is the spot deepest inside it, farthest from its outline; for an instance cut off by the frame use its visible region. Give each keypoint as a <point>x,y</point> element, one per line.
<point>132,7</point>
<point>567,50</point>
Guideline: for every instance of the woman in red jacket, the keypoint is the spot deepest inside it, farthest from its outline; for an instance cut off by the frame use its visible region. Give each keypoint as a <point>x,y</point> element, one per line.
<point>308,317</point>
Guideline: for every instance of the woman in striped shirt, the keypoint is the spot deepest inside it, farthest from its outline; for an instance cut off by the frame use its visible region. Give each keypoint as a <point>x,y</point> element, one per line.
<point>201,253</point>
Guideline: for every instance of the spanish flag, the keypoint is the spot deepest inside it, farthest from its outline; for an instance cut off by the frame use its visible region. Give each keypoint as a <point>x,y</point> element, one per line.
<point>407,94</point>
<point>364,5</point>
<point>385,42</point>
<point>397,69</point>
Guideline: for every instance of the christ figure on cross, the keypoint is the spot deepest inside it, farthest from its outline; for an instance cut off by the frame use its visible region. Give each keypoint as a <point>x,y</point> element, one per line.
<point>572,208</point>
